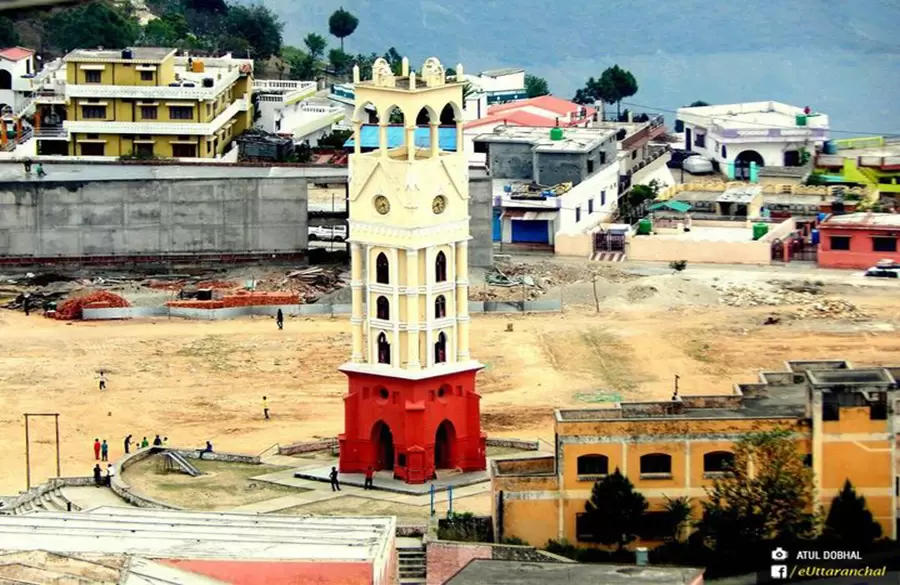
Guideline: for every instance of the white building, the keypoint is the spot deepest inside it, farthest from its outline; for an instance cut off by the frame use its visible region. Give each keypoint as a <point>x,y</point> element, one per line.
<point>17,67</point>
<point>500,85</point>
<point>770,134</point>
<point>288,108</point>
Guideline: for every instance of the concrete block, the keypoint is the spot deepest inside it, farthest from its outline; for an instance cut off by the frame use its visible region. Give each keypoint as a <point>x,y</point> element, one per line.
<point>341,309</point>
<point>476,306</point>
<point>315,309</point>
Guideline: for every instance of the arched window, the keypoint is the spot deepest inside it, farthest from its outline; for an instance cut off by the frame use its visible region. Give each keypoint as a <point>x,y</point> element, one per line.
<point>593,465</point>
<point>718,462</point>
<point>440,268</point>
<point>440,349</point>
<point>382,269</point>
<point>5,79</point>
<point>384,349</point>
<point>382,308</point>
<point>440,307</point>
<point>656,464</point>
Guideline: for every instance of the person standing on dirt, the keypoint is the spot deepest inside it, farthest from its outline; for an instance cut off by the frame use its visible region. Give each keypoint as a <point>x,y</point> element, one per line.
<point>279,320</point>
<point>333,476</point>
<point>104,451</point>
<point>128,444</point>
<point>98,475</point>
<point>266,407</point>
<point>145,443</point>
<point>157,442</point>
<point>370,475</point>
<point>110,473</point>
<point>26,304</point>
<point>97,449</point>
<point>102,380</point>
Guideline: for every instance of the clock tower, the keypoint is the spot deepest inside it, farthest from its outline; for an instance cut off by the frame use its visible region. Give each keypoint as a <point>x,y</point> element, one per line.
<point>411,406</point>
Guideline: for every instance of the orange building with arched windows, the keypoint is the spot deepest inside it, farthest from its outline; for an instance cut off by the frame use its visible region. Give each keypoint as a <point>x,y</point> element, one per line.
<point>842,417</point>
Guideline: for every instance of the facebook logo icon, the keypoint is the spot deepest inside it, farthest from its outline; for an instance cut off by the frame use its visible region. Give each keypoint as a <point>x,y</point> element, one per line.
<point>779,571</point>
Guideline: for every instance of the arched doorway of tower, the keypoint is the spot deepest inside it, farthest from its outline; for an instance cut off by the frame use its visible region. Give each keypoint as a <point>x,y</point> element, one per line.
<point>444,439</point>
<point>742,164</point>
<point>383,440</point>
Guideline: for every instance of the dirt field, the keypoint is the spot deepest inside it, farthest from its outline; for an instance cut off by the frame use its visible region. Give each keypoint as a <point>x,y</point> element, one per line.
<point>406,514</point>
<point>198,381</point>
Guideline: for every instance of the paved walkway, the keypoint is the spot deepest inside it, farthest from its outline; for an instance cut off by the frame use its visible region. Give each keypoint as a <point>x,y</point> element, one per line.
<point>87,497</point>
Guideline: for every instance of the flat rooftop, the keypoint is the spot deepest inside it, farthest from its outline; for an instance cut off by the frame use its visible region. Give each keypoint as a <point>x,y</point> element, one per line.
<point>751,115</point>
<point>144,54</point>
<point>198,535</point>
<point>744,194</point>
<point>574,139</point>
<point>500,72</point>
<point>481,572</point>
<point>888,220</point>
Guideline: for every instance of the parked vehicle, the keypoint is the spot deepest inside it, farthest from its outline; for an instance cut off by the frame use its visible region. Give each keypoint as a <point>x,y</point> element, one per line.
<point>698,165</point>
<point>884,269</point>
<point>335,233</point>
<point>679,155</point>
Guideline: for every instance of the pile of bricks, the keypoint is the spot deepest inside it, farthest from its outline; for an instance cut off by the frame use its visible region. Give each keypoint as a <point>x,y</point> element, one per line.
<point>241,299</point>
<point>72,308</point>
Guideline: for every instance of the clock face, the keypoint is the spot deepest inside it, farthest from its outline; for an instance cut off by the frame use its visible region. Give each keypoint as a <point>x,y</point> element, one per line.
<point>439,204</point>
<point>382,205</point>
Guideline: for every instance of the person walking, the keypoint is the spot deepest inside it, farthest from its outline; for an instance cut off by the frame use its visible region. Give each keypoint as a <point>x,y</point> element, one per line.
<point>279,319</point>
<point>333,476</point>
<point>39,169</point>
<point>165,441</point>
<point>98,475</point>
<point>266,407</point>
<point>97,449</point>
<point>128,444</point>
<point>157,442</point>
<point>26,304</point>
<point>370,475</point>
<point>27,164</point>
<point>102,380</point>
<point>145,443</point>
<point>104,451</point>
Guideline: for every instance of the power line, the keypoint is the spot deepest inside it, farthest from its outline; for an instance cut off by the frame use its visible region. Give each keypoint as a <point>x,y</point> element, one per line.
<point>723,118</point>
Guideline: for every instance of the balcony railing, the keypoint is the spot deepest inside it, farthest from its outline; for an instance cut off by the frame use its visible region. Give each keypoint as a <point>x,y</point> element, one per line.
<point>282,86</point>
<point>51,132</point>
<point>181,92</point>
<point>166,128</point>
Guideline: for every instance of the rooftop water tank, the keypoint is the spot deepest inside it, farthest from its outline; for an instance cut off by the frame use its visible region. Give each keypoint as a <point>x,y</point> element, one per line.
<point>556,134</point>
<point>830,147</point>
<point>197,66</point>
<point>801,119</point>
<point>209,82</point>
<point>127,54</point>
<point>759,230</point>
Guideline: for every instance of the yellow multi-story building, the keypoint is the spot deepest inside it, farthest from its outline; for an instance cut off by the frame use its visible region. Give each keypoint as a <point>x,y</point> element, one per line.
<point>145,101</point>
<point>842,418</point>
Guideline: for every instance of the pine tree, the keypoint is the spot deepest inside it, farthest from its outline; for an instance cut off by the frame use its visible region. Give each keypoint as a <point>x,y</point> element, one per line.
<point>615,510</point>
<point>849,519</point>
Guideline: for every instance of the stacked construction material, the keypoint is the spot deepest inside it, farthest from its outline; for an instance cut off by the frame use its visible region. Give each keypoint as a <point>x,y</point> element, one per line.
<point>241,299</point>
<point>101,299</point>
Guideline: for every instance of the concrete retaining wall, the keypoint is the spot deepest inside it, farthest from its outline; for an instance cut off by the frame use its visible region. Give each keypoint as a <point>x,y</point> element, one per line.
<point>124,491</point>
<point>514,444</point>
<point>215,456</point>
<point>445,558</point>
<point>549,305</point>
<point>307,446</point>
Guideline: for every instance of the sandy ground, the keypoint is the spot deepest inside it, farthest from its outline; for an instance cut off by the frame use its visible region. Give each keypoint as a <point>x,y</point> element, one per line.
<point>198,381</point>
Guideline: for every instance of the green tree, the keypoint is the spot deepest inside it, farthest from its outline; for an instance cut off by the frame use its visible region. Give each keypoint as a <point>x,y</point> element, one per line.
<point>698,104</point>
<point>315,45</point>
<point>9,37</point>
<point>395,60</point>
<point>208,6</point>
<point>302,66</point>
<point>341,62</point>
<point>614,85</point>
<point>536,86</point>
<point>677,517</point>
<point>849,519</point>
<point>169,30</point>
<point>615,510</point>
<point>92,25</point>
<point>342,24</point>
<point>365,63</point>
<point>768,495</point>
<point>258,26</point>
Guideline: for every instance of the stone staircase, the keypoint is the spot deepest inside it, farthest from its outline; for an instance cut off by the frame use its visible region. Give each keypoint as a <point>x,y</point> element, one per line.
<point>411,565</point>
<point>38,499</point>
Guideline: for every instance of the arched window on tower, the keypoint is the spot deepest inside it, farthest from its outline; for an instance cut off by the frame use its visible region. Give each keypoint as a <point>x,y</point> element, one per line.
<point>440,349</point>
<point>384,349</point>
<point>440,268</point>
<point>382,269</point>
<point>382,308</point>
<point>440,307</point>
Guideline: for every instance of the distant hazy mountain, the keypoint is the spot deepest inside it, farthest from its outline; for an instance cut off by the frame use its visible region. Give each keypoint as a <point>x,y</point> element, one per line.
<point>839,56</point>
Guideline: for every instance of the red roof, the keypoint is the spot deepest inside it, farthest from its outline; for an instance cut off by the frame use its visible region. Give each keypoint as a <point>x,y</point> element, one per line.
<point>519,118</point>
<point>553,104</point>
<point>16,53</point>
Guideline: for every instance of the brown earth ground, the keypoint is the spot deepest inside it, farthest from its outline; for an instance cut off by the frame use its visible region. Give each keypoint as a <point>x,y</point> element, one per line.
<point>197,381</point>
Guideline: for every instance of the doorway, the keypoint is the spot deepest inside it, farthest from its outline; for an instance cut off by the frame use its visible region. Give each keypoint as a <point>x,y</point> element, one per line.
<point>687,139</point>
<point>383,440</point>
<point>443,446</point>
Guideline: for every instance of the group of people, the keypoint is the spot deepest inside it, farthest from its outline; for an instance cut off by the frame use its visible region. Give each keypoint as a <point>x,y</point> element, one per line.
<point>157,442</point>
<point>38,169</point>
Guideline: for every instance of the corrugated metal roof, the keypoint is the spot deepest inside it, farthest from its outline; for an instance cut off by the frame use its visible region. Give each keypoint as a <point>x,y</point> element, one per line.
<point>368,137</point>
<point>677,206</point>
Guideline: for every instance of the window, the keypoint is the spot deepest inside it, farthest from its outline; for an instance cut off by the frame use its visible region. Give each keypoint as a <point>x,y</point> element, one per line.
<point>656,466</point>
<point>401,460</point>
<point>840,242</point>
<point>144,148</point>
<point>93,76</point>
<point>440,307</point>
<point>602,198</point>
<point>181,113</point>
<point>184,150</point>
<point>656,525</point>
<point>577,214</point>
<point>590,166</point>
<point>590,205</point>
<point>440,349</point>
<point>807,460</point>
<point>724,152</point>
<point>593,465</point>
<point>700,140</point>
<point>440,268</point>
<point>93,148</point>
<point>93,136</point>
<point>884,244</point>
<point>633,154</point>
<point>146,76</point>
<point>481,147</point>
<point>584,529</point>
<point>93,112</point>
<point>209,111</point>
<point>149,112</point>
<point>382,308</point>
<point>718,462</point>
<point>384,349</point>
<point>382,269</point>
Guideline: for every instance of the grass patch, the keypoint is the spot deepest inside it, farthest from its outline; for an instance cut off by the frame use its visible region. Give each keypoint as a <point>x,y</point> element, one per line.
<point>222,487</point>
<point>211,349</point>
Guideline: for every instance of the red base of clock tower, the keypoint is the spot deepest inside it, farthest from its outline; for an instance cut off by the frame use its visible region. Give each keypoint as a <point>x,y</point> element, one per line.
<point>412,426</point>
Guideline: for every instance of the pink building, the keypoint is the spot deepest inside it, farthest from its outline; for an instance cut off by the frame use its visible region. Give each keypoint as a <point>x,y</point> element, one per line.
<point>858,240</point>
